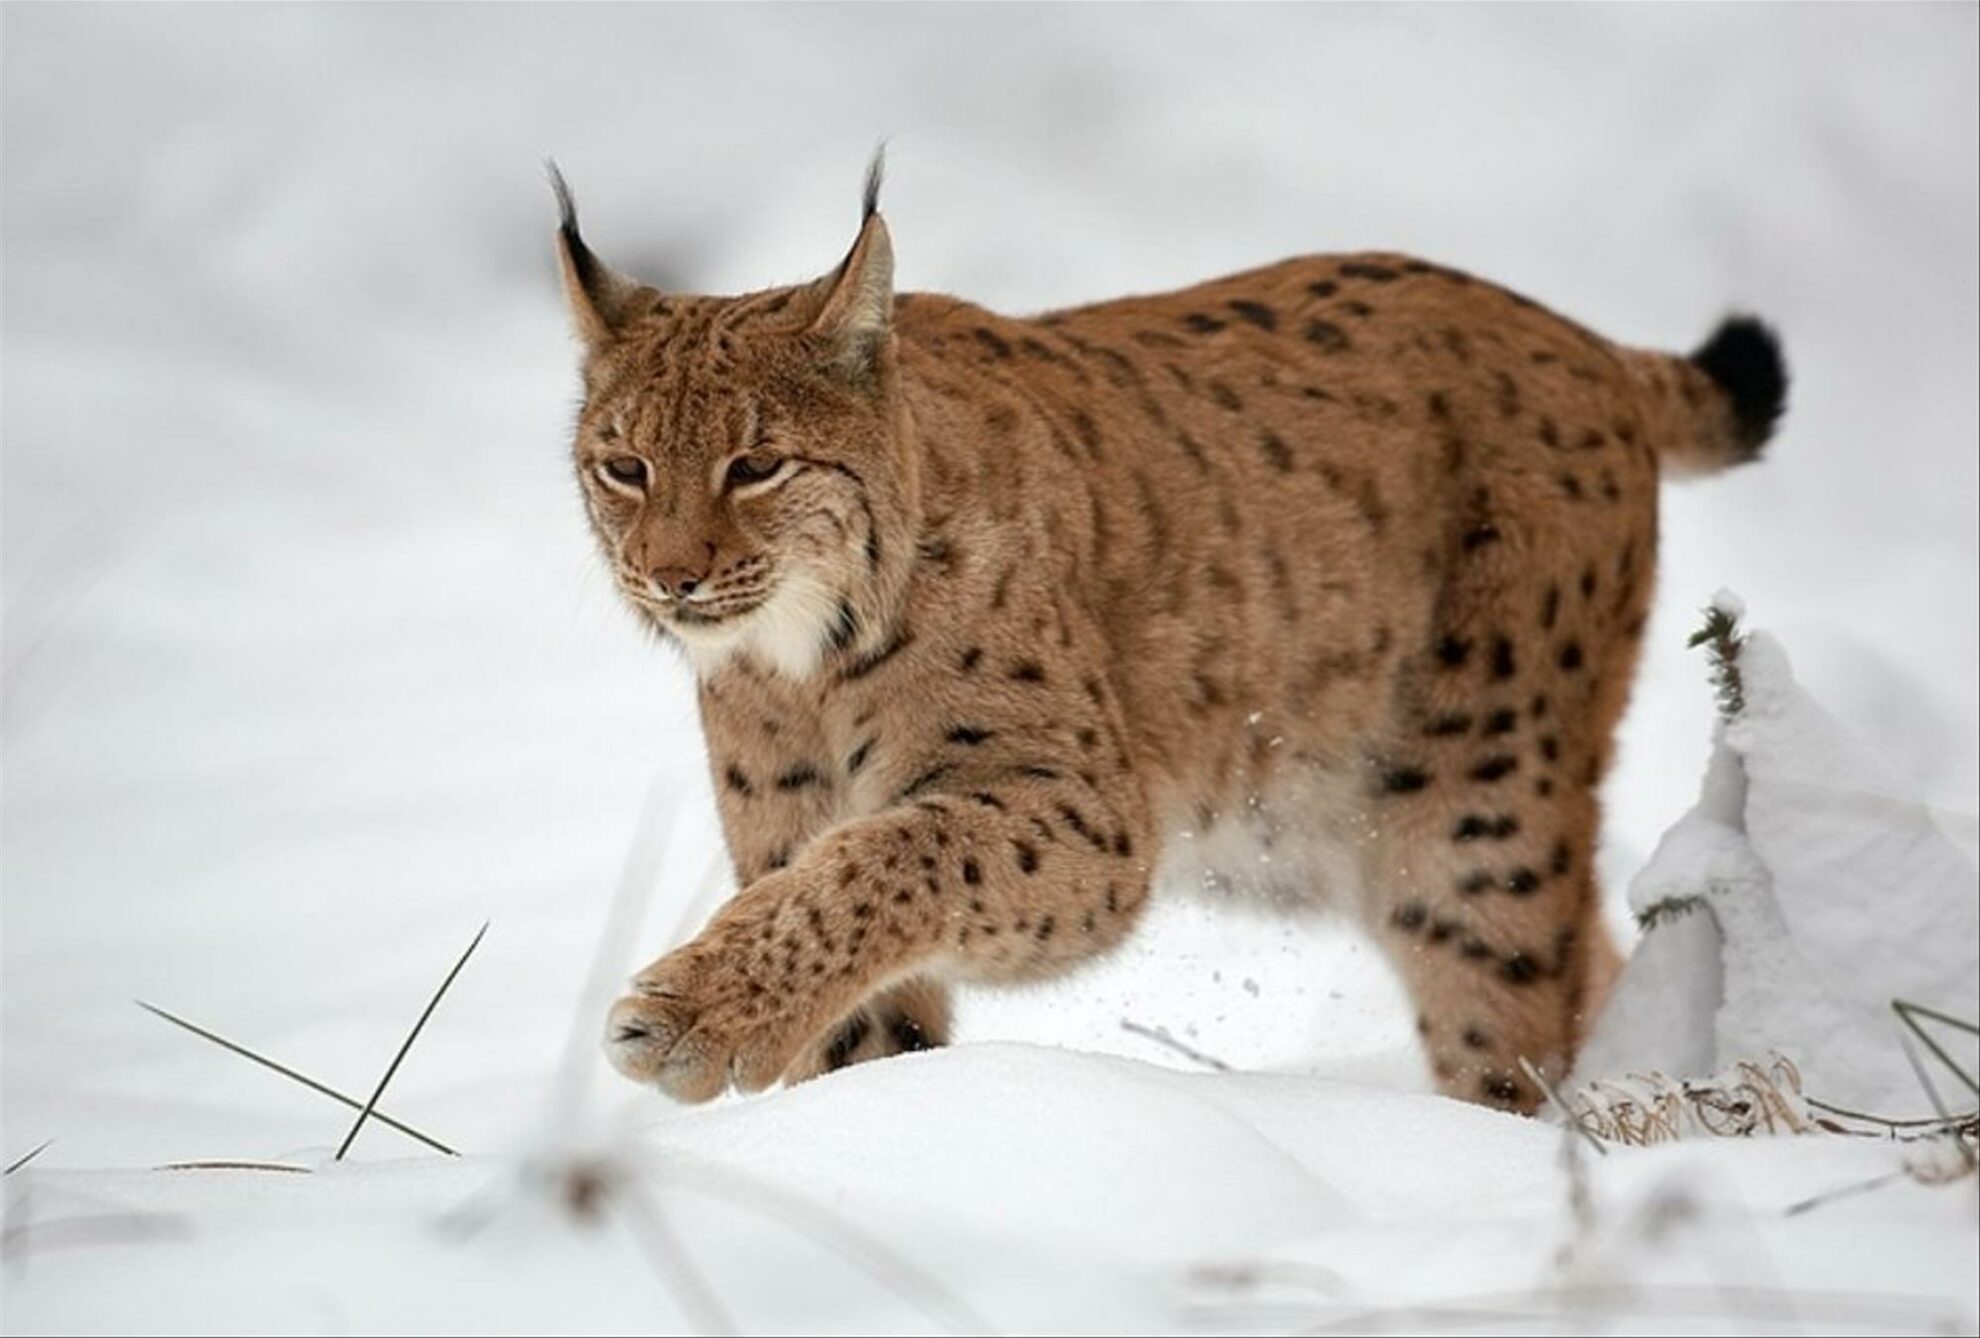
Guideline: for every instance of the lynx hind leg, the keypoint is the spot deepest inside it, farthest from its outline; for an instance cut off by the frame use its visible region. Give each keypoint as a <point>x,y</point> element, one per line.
<point>913,1015</point>
<point>1485,900</point>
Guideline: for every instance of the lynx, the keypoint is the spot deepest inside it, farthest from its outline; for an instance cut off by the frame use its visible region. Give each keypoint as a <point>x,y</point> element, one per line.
<point>1345,559</point>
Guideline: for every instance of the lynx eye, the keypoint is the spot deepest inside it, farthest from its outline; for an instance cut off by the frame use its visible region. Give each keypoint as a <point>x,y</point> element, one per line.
<point>627,470</point>
<point>752,468</point>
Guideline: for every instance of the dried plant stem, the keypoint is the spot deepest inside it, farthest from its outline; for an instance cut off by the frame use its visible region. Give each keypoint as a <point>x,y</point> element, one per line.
<point>27,1157</point>
<point>1846,1192</point>
<point>839,1234</point>
<point>670,1260</point>
<point>294,1076</point>
<point>1909,1013</point>
<point>1554,1098</point>
<point>371,1104</point>
<point>1162,1037</point>
<point>1935,1123</point>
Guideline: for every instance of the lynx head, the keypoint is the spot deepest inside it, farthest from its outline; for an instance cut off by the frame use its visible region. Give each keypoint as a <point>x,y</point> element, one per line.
<point>746,461</point>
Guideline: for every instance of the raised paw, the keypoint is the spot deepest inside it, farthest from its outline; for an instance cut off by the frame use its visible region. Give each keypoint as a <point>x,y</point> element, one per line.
<point>910,1016</point>
<point>696,1023</point>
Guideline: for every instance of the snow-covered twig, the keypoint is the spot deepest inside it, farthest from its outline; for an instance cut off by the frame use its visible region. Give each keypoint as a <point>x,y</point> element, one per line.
<point>1720,635</point>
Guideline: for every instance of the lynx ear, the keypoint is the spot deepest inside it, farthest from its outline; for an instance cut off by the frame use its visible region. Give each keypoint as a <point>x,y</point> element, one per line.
<point>599,296</point>
<point>856,302</point>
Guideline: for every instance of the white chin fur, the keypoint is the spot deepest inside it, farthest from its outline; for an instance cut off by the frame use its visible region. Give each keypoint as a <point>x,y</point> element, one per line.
<point>787,633</point>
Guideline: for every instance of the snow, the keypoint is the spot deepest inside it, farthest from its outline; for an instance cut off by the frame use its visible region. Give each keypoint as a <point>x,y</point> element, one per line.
<point>1790,908</point>
<point>309,669</point>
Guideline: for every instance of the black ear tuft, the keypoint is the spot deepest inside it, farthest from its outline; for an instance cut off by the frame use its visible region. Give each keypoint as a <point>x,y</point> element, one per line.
<point>1743,357</point>
<point>582,261</point>
<point>566,206</point>
<point>875,170</point>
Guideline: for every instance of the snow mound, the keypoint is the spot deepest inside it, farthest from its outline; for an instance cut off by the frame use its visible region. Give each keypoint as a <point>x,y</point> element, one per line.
<point>1799,897</point>
<point>1011,1189</point>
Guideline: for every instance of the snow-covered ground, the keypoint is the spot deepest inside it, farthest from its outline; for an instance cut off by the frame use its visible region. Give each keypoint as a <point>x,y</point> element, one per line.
<point>309,670</point>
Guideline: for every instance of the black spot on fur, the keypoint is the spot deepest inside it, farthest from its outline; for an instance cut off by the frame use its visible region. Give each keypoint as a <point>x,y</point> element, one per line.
<point>994,342</point>
<point>1410,915</point>
<point>1477,827</point>
<point>1356,269</point>
<point>1028,671</point>
<point>1502,659</point>
<point>1404,780</point>
<point>1571,656</point>
<point>1331,338</point>
<point>737,781</point>
<point>862,668</point>
<point>1519,969</point>
<point>970,659</point>
<point>969,734</point>
<point>802,776</point>
<point>858,757</point>
<point>1502,722</point>
<point>1522,882</point>
<point>1027,856</point>
<point>1277,453</point>
<point>1257,313</point>
<point>1200,323</point>
<point>1448,726</point>
<point>1494,768</point>
<point>1452,652</point>
<point>1473,883</point>
<point>1743,357</point>
<point>923,781</point>
<point>1088,430</point>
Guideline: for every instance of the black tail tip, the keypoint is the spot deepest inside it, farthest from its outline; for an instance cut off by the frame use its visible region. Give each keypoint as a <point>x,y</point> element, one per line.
<point>1743,357</point>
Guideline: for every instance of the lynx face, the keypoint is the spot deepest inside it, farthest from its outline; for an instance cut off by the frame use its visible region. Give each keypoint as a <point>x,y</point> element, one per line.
<point>735,521</point>
<point>743,460</point>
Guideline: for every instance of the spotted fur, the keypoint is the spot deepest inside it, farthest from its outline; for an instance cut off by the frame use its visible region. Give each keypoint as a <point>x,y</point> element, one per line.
<point>992,616</point>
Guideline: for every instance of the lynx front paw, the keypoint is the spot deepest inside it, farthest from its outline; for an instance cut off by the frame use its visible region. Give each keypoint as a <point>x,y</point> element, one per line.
<point>694,1025</point>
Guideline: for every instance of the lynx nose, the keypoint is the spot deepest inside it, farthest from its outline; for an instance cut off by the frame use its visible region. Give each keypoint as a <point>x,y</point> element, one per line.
<point>675,582</point>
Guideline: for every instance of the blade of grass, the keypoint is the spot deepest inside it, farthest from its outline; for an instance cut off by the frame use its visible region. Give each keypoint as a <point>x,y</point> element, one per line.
<point>27,1157</point>
<point>1905,1005</point>
<point>1162,1037</point>
<point>292,1075</point>
<point>1905,1013</point>
<point>1547,1090</point>
<point>411,1036</point>
<point>837,1233</point>
<point>675,1267</point>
